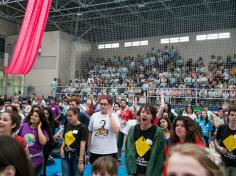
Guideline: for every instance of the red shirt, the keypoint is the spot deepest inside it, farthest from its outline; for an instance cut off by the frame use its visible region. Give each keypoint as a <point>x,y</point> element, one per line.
<point>126,115</point>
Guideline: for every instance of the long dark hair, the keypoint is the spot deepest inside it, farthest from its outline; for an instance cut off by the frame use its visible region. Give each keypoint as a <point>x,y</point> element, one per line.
<point>168,122</point>
<point>13,154</point>
<point>206,119</point>
<point>51,120</point>
<point>186,108</point>
<point>43,120</point>
<point>91,109</point>
<point>190,127</point>
<point>27,119</point>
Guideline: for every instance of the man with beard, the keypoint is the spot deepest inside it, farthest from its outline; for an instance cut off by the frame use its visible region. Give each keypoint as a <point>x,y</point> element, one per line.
<point>124,114</point>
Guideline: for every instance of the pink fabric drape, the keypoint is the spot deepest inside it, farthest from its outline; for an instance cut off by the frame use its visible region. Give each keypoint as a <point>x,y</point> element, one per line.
<point>30,37</point>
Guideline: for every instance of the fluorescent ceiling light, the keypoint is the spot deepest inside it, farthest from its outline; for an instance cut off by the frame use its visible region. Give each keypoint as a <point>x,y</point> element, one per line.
<point>224,35</point>
<point>174,40</point>
<point>144,42</point>
<point>101,46</point>
<point>165,40</point>
<point>201,37</point>
<point>127,44</point>
<point>136,43</point>
<point>212,36</point>
<point>108,45</point>
<point>184,39</point>
<point>115,45</point>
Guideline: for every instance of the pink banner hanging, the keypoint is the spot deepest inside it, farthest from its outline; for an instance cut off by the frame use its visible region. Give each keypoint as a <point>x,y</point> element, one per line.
<point>30,37</point>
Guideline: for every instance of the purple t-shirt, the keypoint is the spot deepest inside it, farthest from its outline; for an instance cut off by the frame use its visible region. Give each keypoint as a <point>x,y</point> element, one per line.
<point>56,110</point>
<point>32,139</point>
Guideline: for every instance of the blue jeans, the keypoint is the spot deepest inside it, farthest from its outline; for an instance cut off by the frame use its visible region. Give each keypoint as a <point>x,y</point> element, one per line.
<point>70,167</point>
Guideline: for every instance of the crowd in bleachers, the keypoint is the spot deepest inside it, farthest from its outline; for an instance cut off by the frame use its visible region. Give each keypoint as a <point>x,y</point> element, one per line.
<point>161,69</point>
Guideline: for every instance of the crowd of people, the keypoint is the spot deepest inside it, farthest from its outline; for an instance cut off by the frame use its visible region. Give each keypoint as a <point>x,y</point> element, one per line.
<point>213,77</point>
<point>154,140</point>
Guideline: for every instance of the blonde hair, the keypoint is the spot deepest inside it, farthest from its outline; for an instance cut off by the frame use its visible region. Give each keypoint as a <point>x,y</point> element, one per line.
<point>208,158</point>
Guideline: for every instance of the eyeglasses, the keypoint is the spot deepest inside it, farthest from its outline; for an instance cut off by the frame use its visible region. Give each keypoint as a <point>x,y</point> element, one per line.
<point>103,104</point>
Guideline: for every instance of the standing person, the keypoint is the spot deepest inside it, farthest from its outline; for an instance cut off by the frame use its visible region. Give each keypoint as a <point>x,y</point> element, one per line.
<point>144,147</point>
<point>55,108</point>
<point>171,112</point>
<point>75,102</point>
<point>225,142</point>
<point>189,112</point>
<point>124,114</point>
<point>206,127</point>
<point>73,148</point>
<point>103,130</point>
<point>210,114</point>
<point>50,145</point>
<point>36,134</point>
<point>166,126</point>
<point>116,107</point>
<point>89,108</point>
<point>13,160</point>
<point>54,85</point>
<point>185,131</point>
<point>9,124</point>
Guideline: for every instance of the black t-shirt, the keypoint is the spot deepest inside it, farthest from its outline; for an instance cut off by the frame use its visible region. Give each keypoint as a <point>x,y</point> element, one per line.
<point>72,137</point>
<point>143,140</point>
<point>227,139</point>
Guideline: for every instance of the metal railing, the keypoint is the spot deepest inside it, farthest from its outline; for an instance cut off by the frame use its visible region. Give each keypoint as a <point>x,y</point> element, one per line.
<point>150,94</point>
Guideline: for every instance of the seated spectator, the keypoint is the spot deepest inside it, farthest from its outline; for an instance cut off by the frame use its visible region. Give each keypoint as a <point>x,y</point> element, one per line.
<point>179,61</point>
<point>188,80</point>
<point>172,53</point>
<point>189,63</point>
<point>189,112</point>
<point>199,62</point>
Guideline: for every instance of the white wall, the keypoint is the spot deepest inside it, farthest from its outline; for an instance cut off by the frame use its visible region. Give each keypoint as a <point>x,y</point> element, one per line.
<point>192,49</point>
